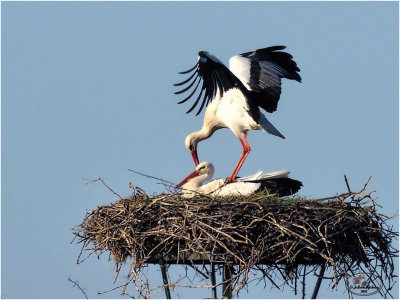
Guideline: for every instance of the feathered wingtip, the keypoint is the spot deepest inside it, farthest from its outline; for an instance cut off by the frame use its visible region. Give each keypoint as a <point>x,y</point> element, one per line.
<point>193,78</point>
<point>185,72</point>
<point>213,74</point>
<point>186,81</point>
<point>276,55</point>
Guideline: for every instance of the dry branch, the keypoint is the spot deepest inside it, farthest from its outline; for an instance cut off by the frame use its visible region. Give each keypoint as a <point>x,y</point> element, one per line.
<point>76,284</point>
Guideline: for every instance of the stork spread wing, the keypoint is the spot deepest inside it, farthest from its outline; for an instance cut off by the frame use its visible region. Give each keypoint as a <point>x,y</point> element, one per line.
<point>214,76</point>
<point>261,71</point>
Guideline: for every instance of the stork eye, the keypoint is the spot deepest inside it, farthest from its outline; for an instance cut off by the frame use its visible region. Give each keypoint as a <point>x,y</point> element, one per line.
<point>191,148</point>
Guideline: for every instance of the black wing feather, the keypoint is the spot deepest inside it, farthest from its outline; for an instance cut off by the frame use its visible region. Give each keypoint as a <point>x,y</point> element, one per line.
<point>202,104</point>
<point>185,81</point>
<point>188,87</point>
<point>191,94</point>
<point>267,67</point>
<point>195,103</point>
<point>188,71</point>
<point>281,186</point>
<point>214,76</point>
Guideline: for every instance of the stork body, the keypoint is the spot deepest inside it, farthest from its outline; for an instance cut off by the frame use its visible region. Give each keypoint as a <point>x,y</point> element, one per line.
<point>233,96</point>
<point>274,183</point>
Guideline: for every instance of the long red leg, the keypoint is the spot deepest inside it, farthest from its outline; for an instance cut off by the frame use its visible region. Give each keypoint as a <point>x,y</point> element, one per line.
<point>233,176</point>
<point>245,153</point>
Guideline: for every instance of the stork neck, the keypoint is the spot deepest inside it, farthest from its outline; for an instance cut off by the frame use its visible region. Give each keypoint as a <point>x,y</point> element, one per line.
<point>202,134</point>
<point>193,184</point>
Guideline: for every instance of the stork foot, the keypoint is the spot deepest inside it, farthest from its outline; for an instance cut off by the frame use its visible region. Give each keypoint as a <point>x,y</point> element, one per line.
<point>229,180</point>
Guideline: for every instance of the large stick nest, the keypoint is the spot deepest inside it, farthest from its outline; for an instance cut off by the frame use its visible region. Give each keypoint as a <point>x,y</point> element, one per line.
<point>259,232</point>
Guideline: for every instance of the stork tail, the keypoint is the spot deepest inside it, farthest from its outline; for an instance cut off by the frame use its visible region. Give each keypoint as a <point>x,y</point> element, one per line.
<point>268,127</point>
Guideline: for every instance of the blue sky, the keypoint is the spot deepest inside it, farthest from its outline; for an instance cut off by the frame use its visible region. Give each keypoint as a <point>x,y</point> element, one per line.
<point>87,92</point>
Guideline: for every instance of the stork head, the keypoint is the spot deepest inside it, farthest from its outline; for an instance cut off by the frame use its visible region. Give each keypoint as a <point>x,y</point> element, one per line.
<point>204,171</point>
<point>191,144</point>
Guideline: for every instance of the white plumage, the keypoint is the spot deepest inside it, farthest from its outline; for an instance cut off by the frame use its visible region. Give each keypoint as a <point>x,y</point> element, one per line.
<point>241,68</point>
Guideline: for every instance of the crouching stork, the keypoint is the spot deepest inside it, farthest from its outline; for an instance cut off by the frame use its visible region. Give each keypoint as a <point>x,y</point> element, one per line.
<point>277,183</point>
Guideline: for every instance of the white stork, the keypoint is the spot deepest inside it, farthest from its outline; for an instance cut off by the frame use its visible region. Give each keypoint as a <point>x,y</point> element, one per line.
<point>274,183</point>
<point>233,96</point>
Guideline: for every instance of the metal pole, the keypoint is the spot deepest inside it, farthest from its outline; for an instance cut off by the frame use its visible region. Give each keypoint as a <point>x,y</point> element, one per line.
<point>227,282</point>
<point>213,281</point>
<point>165,278</point>
<point>318,284</point>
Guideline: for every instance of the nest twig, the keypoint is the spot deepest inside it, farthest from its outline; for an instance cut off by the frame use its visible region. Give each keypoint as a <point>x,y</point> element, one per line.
<point>259,233</point>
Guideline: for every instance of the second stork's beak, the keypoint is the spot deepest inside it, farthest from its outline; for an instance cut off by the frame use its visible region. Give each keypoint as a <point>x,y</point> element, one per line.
<point>191,175</point>
<point>195,157</point>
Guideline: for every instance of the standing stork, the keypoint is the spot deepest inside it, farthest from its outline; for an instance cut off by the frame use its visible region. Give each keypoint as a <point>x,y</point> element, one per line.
<point>233,97</point>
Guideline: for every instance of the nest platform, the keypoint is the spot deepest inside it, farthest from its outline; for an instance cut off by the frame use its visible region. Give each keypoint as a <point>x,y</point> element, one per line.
<point>260,233</point>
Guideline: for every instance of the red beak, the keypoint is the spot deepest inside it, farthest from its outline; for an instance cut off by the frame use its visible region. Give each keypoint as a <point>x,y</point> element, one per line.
<point>191,175</point>
<point>195,157</point>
